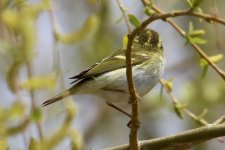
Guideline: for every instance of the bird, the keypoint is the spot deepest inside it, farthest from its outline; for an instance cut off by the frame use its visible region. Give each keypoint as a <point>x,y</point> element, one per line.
<point>107,78</point>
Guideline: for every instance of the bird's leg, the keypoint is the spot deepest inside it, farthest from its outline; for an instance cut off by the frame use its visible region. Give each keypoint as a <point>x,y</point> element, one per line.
<point>118,109</point>
<point>122,111</point>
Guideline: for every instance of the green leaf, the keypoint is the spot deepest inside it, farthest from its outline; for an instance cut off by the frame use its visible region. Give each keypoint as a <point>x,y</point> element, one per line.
<point>134,20</point>
<point>193,36</point>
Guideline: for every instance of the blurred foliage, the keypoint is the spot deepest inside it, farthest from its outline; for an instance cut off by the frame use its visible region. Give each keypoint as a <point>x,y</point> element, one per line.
<point>87,28</point>
<point>43,82</point>
<point>193,36</point>
<point>18,40</point>
<point>96,38</point>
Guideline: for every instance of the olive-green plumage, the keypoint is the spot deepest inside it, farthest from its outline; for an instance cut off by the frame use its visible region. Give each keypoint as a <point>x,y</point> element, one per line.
<point>107,78</point>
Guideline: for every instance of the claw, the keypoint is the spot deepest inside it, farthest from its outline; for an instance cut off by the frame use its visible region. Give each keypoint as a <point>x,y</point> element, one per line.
<point>136,124</point>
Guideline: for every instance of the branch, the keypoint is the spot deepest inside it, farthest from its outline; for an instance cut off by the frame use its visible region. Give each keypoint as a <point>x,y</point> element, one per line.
<point>187,12</point>
<point>134,126</point>
<point>134,122</point>
<point>164,16</point>
<point>196,118</point>
<point>133,94</point>
<point>195,46</point>
<point>183,140</point>
<point>122,9</point>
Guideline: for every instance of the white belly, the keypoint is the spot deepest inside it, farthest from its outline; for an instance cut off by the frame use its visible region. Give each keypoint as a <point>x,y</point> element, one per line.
<point>112,86</point>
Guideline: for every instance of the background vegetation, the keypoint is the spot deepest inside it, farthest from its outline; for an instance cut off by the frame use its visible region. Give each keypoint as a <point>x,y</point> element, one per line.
<point>43,43</point>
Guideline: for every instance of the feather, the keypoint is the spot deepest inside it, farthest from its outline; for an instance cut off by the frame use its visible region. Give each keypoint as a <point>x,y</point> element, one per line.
<point>58,97</point>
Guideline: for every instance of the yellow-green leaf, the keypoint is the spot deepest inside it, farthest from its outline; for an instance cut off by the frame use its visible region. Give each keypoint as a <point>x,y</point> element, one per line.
<point>125,41</point>
<point>134,20</point>
<point>40,82</point>
<point>149,11</point>
<point>204,71</point>
<point>17,109</point>
<point>3,144</point>
<point>12,76</point>
<point>34,144</point>
<point>87,28</point>
<point>10,18</point>
<point>216,58</point>
<point>193,3</point>
<point>197,33</point>
<point>201,12</point>
<point>76,140</point>
<point>178,109</point>
<point>191,27</point>
<point>204,112</point>
<point>189,3</point>
<point>178,112</point>
<point>168,85</point>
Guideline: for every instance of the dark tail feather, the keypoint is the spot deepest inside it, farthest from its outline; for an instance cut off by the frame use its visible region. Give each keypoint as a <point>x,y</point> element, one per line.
<point>57,98</point>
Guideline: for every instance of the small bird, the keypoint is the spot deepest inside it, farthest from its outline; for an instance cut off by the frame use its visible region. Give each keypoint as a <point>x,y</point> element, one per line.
<point>107,78</point>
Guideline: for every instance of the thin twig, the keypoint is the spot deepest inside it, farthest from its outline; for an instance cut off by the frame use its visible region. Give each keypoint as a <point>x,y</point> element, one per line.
<point>187,111</point>
<point>122,9</point>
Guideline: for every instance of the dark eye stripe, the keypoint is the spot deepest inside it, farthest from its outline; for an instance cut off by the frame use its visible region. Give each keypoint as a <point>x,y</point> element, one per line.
<point>154,38</point>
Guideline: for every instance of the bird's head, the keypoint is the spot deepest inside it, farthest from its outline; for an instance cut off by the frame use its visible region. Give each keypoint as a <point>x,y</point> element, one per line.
<point>149,39</point>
